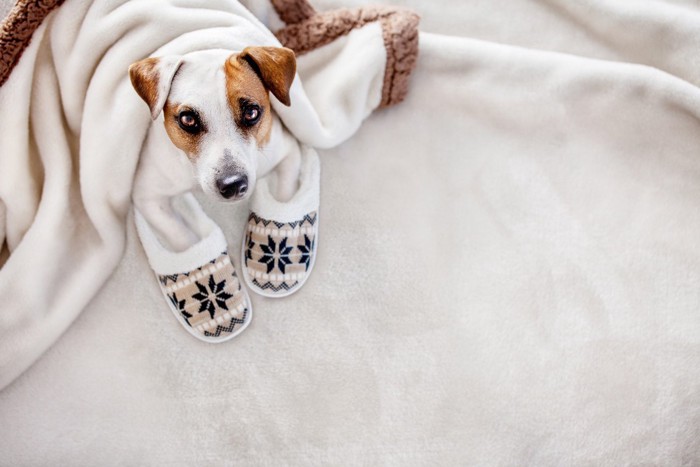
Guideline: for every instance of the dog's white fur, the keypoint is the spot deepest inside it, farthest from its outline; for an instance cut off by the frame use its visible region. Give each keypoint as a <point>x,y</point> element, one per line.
<point>198,79</point>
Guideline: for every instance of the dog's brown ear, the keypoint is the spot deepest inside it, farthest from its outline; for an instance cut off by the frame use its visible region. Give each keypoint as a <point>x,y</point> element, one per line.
<point>276,67</point>
<point>152,78</point>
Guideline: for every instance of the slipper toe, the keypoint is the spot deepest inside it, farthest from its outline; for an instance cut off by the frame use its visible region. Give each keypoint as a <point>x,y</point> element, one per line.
<point>278,256</point>
<point>209,301</point>
<point>281,238</point>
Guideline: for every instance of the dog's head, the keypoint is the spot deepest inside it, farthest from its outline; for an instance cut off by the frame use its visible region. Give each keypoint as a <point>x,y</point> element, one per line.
<point>217,109</point>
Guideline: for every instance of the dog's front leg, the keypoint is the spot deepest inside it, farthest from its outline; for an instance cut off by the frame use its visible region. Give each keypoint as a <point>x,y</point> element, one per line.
<point>162,174</point>
<point>172,230</point>
<point>287,171</point>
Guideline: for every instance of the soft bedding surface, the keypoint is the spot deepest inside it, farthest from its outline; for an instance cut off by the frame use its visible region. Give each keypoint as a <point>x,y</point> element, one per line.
<point>507,274</point>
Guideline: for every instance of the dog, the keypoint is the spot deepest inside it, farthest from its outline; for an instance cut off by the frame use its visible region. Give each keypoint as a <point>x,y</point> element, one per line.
<point>219,132</point>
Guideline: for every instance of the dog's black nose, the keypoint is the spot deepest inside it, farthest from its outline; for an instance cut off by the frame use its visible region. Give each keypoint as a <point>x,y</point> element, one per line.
<point>232,185</point>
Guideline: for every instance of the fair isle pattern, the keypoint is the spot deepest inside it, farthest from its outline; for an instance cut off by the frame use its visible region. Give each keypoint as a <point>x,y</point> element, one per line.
<point>210,298</point>
<point>278,255</point>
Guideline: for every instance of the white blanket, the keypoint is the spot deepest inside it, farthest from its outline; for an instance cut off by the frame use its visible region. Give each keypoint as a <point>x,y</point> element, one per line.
<point>507,274</point>
<point>71,151</point>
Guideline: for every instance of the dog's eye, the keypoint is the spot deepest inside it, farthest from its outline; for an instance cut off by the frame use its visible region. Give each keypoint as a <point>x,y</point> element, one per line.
<point>251,115</point>
<point>189,121</point>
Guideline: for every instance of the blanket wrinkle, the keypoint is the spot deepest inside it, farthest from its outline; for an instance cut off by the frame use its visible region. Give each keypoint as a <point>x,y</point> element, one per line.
<point>672,24</point>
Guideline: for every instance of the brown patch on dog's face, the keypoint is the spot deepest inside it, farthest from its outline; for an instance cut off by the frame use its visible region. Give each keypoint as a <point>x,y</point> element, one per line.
<point>248,100</point>
<point>187,141</point>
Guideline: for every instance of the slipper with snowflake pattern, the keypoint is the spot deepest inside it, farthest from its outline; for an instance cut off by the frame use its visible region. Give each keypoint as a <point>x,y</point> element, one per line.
<point>279,246</point>
<point>200,284</point>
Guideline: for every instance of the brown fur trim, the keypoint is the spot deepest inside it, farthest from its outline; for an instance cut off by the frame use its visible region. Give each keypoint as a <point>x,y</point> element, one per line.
<point>293,11</point>
<point>17,28</point>
<point>399,30</point>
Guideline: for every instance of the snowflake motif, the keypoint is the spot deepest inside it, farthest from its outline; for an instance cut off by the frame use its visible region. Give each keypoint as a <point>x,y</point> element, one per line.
<point>306,250</point>
<point>249,250</point>
<point>284,260</point>
<point>180,306</point>
<point>268,256</point>
<point>215,295</point>
<point>272,255</point>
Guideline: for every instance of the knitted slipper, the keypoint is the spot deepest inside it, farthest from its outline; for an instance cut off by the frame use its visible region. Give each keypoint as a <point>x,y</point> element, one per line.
<point>200,284</point>
<point>279,248</point>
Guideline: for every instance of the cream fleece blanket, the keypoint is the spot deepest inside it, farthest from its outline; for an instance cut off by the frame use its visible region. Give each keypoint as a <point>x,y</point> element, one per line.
<point>71,151</point>
<point>507,274</point>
